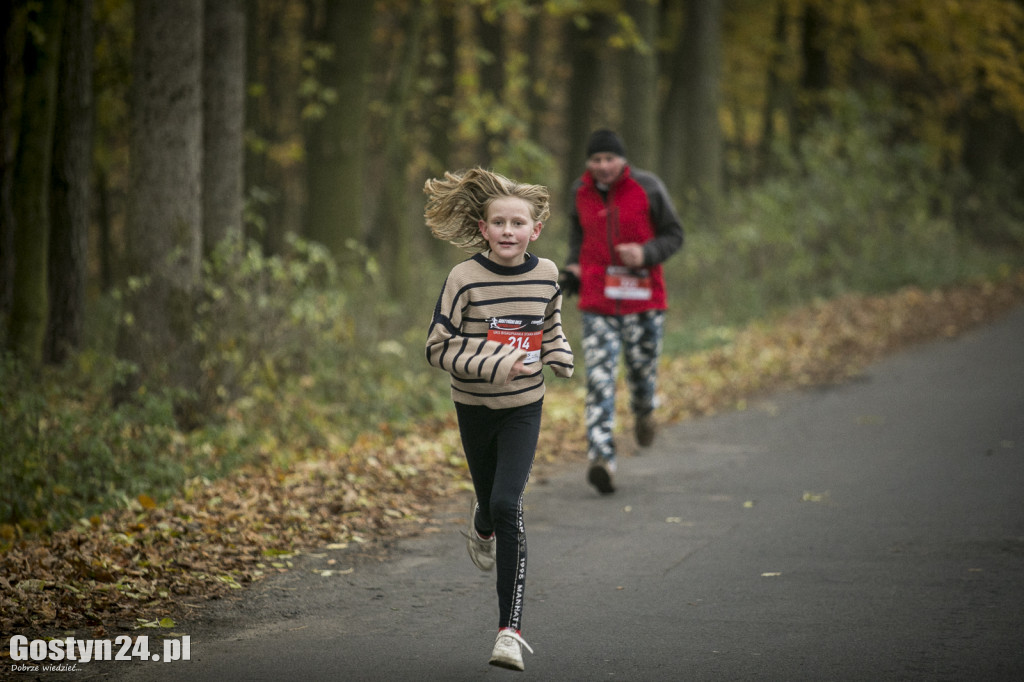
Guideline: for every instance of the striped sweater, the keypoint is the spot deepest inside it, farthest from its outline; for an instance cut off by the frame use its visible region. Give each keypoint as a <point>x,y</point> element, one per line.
<point>487,318</point>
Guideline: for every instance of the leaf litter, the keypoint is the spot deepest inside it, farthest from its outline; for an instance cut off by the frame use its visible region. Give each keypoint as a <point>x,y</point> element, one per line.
<point>153,565</point>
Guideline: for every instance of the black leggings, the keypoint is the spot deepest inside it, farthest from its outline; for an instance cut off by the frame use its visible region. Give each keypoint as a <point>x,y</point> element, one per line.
<point>499,446</point>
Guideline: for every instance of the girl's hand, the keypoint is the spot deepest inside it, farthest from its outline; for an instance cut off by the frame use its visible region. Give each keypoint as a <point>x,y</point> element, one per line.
<point>517,369</point>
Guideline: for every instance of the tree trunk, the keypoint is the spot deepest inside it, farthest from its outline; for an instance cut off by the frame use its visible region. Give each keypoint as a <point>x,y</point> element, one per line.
<point>991,158</point>
<point>467,131</point>
<point>702,40</point>
<point>776,100</point>
<point>71,198</point>
<point>391,240</point>
<point>223,120</point>
<point>105,232</point>
<point>589,93</point>
<point>816,76</point>
<point>549,85</point>
<point>275,182</point>
<point>13,17</point>
<point>337,143</point>
<point>640,87</point>
<point>163,237</point>
<point>439,109</point>
<point>255,165</point>
<point>32,186</point>
<point>441,103</point>
<point>673,115</point>
<point>512,140</point>
<point>491,32</point>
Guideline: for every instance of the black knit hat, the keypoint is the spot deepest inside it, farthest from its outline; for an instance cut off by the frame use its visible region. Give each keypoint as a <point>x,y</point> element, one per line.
<point>605,140</point>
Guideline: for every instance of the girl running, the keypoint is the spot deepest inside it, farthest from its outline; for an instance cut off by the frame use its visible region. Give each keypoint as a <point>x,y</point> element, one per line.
<point>497,322</point>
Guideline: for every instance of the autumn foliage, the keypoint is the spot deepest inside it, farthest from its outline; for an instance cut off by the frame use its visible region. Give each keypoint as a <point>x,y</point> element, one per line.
<point>150,563</point>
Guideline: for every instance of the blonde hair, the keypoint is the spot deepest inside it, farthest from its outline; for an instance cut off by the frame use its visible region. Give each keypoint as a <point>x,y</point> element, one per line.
<point>456,204</point>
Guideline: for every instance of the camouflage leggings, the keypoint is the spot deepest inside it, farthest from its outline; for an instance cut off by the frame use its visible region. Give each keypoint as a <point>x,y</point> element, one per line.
<point>638,337</point>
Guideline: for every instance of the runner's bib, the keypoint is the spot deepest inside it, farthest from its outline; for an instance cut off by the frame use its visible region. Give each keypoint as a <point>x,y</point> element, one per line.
<point>627,284</point>
<point>524,333</point>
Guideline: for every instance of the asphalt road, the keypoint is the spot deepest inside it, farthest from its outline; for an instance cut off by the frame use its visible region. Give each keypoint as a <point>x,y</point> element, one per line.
<point>871,531</point>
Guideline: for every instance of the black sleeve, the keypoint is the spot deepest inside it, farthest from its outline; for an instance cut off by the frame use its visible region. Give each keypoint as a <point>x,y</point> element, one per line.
<point>575,229</point>
<point>668,231</point>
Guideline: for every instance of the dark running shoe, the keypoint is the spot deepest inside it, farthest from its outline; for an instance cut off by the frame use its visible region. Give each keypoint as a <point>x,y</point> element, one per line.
<point>600,476</point>
<point>646,429</point>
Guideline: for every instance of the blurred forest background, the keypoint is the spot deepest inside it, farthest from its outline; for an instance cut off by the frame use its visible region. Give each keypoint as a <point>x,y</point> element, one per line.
<point>212,250</point>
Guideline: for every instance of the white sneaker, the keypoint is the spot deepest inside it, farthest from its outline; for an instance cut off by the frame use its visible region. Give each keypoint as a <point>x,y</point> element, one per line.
<point>508,650</point>
<point>481,550</point>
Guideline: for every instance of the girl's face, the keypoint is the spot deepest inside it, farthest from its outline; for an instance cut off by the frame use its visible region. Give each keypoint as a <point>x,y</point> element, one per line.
<point>509,229</point>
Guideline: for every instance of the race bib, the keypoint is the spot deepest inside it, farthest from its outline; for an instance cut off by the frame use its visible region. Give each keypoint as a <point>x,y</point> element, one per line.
<point>524,333</point>
<point>627,284</point>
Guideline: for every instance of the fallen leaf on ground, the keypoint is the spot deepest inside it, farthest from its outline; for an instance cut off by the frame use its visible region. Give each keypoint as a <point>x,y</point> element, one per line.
<point>150,562</point>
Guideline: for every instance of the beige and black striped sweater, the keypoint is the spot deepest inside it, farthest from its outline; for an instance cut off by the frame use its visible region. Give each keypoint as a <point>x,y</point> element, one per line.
<point>490,316</point>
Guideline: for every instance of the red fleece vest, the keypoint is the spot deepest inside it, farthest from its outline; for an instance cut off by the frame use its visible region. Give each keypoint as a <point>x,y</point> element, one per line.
<point>625,217</point>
